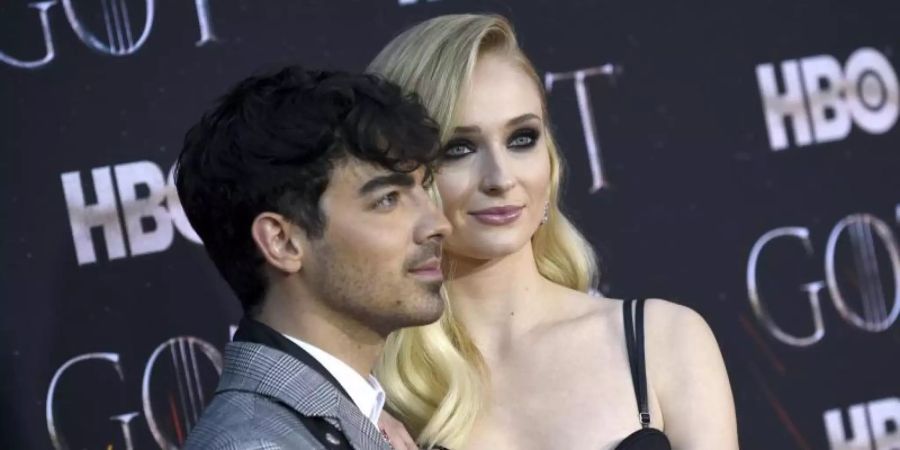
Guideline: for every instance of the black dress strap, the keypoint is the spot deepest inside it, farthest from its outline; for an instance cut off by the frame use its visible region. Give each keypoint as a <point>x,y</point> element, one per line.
<point>634,342</point>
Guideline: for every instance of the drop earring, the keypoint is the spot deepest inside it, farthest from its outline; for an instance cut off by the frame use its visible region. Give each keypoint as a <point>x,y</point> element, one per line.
<point>546,213</point>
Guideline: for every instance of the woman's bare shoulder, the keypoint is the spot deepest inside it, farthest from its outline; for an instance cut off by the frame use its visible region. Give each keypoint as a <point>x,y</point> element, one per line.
<point>588,309</point>
<point>688,374</point>
<point>663,318</point>
<point>679,343</point>
<point>674,325</point>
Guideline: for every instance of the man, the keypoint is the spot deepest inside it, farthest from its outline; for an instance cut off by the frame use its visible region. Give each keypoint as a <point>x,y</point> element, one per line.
<point>308,190</point>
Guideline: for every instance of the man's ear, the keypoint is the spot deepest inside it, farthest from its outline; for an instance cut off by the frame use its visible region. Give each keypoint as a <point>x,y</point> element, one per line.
<point>279,241</point>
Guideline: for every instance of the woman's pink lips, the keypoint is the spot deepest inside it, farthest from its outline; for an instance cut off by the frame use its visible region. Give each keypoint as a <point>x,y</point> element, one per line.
<point>498,216</point>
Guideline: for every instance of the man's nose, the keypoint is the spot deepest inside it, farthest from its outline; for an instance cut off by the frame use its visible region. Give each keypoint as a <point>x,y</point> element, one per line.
<point>433,224</point>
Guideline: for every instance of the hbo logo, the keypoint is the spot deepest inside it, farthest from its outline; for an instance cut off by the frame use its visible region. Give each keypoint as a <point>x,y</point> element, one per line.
<point>822,100</point>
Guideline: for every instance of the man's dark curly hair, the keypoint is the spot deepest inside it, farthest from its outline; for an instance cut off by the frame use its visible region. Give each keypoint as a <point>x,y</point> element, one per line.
<point>271,144</point>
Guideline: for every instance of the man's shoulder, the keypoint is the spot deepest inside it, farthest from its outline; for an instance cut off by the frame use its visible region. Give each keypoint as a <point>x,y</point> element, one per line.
<point>269,398</point>
<point>246,421</point>
<point>240,444</point>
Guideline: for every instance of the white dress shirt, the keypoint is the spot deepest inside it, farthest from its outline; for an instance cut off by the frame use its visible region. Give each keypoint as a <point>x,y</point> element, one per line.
<point>366,393</point>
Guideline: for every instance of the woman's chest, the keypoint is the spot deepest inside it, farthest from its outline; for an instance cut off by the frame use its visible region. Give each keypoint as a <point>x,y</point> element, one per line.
<point>563,399</point>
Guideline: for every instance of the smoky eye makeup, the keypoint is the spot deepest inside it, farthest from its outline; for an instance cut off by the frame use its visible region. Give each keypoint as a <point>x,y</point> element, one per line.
<point>523,138</point>
<point>457,148</point>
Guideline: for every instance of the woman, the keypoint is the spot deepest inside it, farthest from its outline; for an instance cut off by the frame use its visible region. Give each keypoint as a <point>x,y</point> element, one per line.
<point>525,358</point>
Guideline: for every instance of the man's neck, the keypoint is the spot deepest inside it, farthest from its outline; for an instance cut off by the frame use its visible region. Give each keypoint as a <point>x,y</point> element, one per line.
<point>344,338</point>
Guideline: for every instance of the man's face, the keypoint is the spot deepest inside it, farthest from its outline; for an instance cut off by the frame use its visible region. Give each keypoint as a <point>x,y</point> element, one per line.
<point>378,261</point>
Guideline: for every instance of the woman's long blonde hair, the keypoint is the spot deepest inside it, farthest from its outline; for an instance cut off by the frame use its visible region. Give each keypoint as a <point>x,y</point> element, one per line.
<point>434,375</point>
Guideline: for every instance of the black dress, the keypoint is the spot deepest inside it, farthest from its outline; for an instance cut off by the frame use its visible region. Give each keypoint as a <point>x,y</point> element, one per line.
<point>646,438</point>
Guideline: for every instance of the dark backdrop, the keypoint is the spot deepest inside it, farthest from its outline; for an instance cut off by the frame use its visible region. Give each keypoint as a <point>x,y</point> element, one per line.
<point>112,318</point>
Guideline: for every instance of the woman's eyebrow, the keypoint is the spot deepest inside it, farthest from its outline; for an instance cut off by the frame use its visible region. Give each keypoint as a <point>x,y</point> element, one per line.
<point>523,118</point>
<point>471,129</point>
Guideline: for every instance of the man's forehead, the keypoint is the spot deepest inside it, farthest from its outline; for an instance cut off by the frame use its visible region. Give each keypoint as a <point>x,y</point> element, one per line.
<point>354,173</point>
<point>358,170</point>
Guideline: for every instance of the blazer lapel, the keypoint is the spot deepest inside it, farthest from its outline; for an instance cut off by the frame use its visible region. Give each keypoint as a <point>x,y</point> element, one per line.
<point>360,431</point>
<point>256,368</point>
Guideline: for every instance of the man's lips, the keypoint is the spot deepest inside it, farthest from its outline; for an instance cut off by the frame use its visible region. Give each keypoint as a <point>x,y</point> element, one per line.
<point>430,269</point>
<point>499,215</point>
<point>431,264</point>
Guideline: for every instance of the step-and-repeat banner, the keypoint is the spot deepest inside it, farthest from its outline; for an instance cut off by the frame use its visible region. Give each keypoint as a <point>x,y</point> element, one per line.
<point>741,158</point>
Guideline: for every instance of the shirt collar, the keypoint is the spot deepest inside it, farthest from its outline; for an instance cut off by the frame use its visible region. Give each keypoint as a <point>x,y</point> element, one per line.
<point>366,393</point>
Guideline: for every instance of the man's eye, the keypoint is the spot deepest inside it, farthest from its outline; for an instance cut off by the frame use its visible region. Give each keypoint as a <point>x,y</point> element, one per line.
<point>388,200</point>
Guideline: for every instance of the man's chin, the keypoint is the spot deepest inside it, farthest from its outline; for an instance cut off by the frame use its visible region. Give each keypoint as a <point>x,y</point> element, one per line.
<point>434,288</point>
<point>431,307</point>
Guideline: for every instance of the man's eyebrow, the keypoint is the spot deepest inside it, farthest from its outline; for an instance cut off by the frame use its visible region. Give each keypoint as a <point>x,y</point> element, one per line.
<point>393,179</point>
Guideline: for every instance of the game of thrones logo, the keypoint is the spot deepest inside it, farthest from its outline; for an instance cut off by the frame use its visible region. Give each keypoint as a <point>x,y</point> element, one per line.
<point>177,380</point>
<point>110,27</point>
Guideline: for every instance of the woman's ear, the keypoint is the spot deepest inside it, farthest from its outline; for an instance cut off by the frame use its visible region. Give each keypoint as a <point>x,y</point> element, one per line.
<point>279,241</point>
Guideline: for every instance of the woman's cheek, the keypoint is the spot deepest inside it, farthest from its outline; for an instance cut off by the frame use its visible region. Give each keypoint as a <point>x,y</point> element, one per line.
<point>539,174</point>
<point>452,193</point>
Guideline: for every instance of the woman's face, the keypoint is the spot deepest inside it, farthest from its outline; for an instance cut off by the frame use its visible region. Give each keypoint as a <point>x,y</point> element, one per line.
<point>494,179</point>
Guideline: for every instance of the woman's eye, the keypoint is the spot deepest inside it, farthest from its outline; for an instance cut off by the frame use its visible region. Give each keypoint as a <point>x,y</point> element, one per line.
<point>387,201</point>
<point>456,150</point>
<point>523,139</point>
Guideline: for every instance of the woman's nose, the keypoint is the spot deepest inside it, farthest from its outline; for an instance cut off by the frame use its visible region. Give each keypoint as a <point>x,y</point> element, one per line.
<point>496,177</point>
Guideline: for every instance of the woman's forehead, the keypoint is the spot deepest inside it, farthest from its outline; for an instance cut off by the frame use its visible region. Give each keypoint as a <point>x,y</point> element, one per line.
<point>498,91</point>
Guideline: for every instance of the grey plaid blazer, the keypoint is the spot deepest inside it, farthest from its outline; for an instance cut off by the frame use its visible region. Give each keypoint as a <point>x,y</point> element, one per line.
<point>260,395</point>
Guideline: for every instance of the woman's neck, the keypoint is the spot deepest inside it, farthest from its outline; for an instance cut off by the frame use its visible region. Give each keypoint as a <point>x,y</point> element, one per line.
<point>499,299</point>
